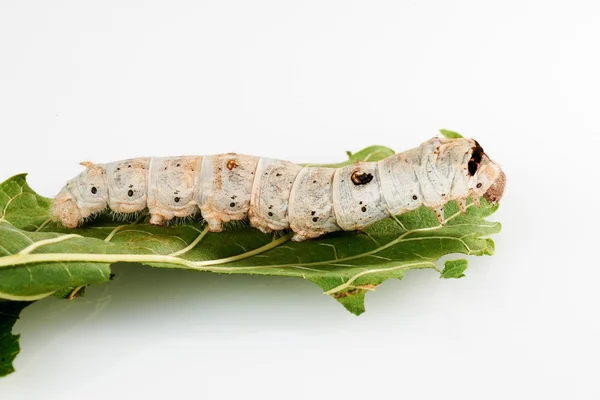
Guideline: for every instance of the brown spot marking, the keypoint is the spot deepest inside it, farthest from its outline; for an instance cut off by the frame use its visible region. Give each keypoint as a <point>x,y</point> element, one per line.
<point>218,178</point>
<point>368,286</point>
<point>350,292</point>
<point>231,164</point>
<point>361,178</point>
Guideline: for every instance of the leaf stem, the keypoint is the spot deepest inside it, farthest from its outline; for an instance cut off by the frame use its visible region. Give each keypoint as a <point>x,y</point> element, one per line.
<point>425,264</point>
<point>43,225</point>
<point>41,243</point>
<point>21,259</point>
<point>191,245</point>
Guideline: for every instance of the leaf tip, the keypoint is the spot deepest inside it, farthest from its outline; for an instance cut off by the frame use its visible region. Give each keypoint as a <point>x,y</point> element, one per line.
<point>353,300</point>
<point>9,343</point>
<point>453,269</point>
<point>450,134</point>
<point>490,247</point>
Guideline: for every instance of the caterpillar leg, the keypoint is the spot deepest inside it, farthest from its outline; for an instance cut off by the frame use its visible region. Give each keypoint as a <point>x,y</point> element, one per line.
<point>476,202</point>
<point>215,218</point>
<point>161,216</point>
<point>158,219</point>
<point>462,205</point>
<point>305,235</point>
<point>214,225</point>
<point>214,221</point>
<point>299,238</point>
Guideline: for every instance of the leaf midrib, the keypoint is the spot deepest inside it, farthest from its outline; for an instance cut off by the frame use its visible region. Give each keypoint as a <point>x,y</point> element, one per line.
<point>22,259</point>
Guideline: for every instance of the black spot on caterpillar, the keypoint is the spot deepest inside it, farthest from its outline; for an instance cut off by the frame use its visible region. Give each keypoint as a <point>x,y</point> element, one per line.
<point>476,157</point>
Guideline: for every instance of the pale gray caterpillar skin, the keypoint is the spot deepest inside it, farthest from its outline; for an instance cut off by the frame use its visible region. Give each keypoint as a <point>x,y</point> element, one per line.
<point>277,195</point>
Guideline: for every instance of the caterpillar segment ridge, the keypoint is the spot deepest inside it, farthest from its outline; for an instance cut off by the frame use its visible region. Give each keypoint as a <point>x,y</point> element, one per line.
<point>276,195</point>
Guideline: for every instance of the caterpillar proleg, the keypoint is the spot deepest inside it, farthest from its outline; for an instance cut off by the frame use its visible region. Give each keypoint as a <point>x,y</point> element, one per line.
<point>277,195</point>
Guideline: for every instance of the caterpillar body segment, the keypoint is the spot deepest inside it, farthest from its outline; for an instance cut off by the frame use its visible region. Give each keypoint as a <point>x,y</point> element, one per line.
<point>356,202</point>
<point>127,184</point>
<point>172,188</point>
<point>271,192</point>
<point>276,195</point>
<point>226,183</point>
<point>311,211</point>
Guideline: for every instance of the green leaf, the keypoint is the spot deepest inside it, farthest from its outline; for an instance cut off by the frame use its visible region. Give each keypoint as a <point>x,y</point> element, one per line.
<point>450,134</point>
<point>39,257</point>
<point>454,268</point>
<point>9,343</point>
<point>21,206</point>
<point>371,153</point>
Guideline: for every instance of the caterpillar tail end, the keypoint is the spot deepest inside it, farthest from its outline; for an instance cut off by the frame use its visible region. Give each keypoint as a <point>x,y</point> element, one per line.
<point>66,211</point>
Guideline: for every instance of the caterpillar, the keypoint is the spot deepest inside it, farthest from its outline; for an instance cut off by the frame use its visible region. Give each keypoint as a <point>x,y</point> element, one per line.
<point>277,195</point>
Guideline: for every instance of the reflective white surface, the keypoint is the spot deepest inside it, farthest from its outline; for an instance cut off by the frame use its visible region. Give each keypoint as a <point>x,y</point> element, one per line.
<point>305,81</point>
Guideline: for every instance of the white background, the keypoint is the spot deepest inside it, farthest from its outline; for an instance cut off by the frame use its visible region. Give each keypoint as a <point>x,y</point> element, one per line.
<point>305,81</point>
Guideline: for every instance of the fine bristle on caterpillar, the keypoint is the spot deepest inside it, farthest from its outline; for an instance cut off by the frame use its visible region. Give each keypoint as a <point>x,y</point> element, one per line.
<point>277,195</point>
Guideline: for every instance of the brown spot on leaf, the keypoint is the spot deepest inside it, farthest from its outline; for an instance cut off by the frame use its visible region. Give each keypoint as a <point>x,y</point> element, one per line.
<point>354,291</point>
<point>346,293</point>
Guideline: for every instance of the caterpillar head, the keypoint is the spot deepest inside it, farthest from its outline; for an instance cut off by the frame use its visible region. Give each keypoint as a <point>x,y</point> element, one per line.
<point>82,196</point>
<point>487,180</point>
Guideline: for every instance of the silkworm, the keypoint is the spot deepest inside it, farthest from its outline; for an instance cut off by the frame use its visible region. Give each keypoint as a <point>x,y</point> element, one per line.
<point>277,195</point>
